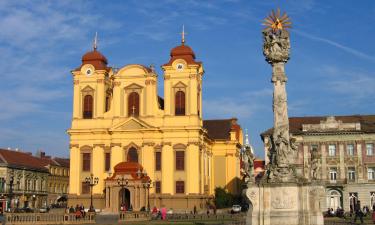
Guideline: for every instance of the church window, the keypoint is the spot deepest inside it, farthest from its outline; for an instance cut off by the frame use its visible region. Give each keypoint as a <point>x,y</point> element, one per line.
<point>87,107</point>
<point>132,155</point>
<point>107,161</point>
<point>180,103</point>
<point>133,104</point>
<point>180,160</point>
<point>157,161</point>
<point>85,188</point>
<point>107,103</point>
<point>331,150</point>
<point>180,187</point>
<point>86,162</point>
<point>157,187</point>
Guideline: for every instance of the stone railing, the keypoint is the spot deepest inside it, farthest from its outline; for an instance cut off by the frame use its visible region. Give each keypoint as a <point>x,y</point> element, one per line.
<point>47,218</point>
<point>133,216</point>
<point>205,216</point>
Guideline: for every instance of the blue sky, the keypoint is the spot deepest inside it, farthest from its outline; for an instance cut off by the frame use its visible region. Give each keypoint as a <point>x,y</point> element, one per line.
<point>331,70</point>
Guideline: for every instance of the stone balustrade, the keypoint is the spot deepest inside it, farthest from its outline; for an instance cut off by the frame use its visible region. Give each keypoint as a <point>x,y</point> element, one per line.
<point>47,218</point>
<point>133,216</point>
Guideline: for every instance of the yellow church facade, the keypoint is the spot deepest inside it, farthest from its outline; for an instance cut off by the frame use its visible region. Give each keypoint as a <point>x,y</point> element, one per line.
<point>146,150</point>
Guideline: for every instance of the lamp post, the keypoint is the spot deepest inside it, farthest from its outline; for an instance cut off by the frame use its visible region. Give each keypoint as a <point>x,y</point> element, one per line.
<point>122,182</point>
<point>147,185</point>
<point>92,181</point>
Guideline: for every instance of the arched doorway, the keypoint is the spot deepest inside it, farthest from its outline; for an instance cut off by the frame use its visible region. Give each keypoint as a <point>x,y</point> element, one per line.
<point>334,199</point>
<point>132,155</point>
<point>124,198</point>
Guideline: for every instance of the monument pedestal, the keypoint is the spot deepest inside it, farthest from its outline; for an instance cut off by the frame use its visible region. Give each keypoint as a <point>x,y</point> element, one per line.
<point>285,204</point>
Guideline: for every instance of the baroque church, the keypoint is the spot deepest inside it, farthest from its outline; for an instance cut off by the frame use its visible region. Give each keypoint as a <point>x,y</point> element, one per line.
<point>145,150</point>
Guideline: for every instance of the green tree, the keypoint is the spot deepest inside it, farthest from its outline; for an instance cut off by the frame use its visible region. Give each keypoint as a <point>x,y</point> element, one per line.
<point>223,199</point>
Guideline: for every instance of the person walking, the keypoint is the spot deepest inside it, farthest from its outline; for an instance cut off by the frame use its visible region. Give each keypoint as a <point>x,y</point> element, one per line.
<point>358,212</point>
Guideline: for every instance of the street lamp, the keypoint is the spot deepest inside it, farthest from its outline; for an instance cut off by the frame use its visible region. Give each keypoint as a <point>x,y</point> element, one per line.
<point>91,181</point>
<point>147,185</point>
<point>122,182</point>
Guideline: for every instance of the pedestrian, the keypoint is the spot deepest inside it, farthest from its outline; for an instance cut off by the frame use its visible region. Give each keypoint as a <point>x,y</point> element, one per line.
<point>358,212</point>
<point>163,213</point>
<point>195,210</point>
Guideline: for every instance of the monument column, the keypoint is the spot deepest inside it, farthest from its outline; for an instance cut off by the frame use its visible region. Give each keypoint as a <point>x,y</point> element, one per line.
<point>281,197</point>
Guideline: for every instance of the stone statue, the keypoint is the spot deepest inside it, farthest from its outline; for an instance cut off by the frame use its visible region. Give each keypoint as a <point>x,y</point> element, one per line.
<point>276,46</point>
<point>248,160</point>
<point>315,164</point>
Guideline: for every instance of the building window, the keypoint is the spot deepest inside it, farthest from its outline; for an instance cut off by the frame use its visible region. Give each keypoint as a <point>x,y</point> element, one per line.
<point>353,200</point>
<point>86,161</point>
<point>85,188</point>
<point>180,160</point>
<point>107,161</point>
<point>350,149</point>
<point>133,104</point>
<point>107,103</point>
<point>157,187</point>
<point>132,155</point>
<point>179,103</point>
<point>314,147</point>
<point>351,173</point>
<point>180,187</point>
<point>333,174</point>
<point>87,107</point>
<point>370,173</point>
<point>369,149</point>
<point>157,161</point>
<point>331,150</point>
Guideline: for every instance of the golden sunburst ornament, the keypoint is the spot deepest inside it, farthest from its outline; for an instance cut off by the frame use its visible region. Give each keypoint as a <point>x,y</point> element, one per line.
<point>277,22</point>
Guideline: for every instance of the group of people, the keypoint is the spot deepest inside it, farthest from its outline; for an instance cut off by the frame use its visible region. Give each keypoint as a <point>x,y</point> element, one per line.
<point>79,211</point>
<point>357,211</point>
<point>159,213</point>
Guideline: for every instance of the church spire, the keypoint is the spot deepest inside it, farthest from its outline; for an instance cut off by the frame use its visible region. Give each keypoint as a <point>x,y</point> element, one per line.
<point>183,35</point>
<point>95,44</point>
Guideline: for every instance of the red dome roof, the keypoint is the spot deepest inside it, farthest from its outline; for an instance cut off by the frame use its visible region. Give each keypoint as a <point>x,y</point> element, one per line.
<point>182,52</point>
<point>97,59</point>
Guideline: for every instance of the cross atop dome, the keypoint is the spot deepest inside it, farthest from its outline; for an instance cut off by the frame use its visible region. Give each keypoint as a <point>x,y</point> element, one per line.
<point>183,35</point>
<point>95,44</point>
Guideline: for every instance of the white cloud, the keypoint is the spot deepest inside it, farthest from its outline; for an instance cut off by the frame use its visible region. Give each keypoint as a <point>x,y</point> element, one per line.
<point>347,49</point>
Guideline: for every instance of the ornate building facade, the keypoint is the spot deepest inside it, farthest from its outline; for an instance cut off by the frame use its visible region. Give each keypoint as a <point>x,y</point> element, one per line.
<point>337,151</point>
<point>126,135</point>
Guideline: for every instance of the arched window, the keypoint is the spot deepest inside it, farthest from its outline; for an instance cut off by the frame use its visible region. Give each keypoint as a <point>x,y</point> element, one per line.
<point>87,107</point>
<point>132,155</point>
<point>107,103</point>
<point>179,103</point>
<point>133,104</point>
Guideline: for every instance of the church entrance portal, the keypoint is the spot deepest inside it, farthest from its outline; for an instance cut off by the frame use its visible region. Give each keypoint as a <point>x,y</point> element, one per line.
<point>124,197</point>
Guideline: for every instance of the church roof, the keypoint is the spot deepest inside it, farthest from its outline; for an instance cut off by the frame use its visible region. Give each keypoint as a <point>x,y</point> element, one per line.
<point>182,52</point>
<point>367,124</point>
<point>95,58</point>
<point>220,129</point>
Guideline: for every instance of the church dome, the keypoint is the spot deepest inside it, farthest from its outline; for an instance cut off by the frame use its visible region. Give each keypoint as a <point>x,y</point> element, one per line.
<point>97,59</point>
<point>182,52</point>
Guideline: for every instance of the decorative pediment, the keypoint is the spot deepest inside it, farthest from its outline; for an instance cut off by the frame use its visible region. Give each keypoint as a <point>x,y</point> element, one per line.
<point>88,89</point>
<point>131,124</point>
<point>180,85</point>
<point>331,124</point>
<point>133,86</point>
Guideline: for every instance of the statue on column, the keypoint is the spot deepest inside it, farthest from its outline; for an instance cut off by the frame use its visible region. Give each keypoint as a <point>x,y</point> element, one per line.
<point>315,165</point>
<point>276,49</point>
<point>248,162</point>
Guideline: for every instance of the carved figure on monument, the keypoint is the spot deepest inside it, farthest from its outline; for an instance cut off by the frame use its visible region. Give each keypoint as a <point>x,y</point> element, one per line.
<point>315,166</point>
<point>248,160</point>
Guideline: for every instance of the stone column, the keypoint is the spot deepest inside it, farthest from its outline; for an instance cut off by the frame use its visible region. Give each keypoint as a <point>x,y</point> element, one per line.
<point>97,165</point>
<point>342,162</point>
<point>75,169</point>
<point>306,162</point>
<point>167,168</point>
<point>117,155</point>
<point>117,99</point>
<point>324,161</point>
<point>192,172</point>
<point>361,169</point>
<point>76,100</point>
<point>100,98</point>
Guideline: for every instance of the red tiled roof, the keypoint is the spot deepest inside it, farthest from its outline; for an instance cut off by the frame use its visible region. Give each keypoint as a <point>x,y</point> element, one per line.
<point>295,123</point>
<point>64,162</point>
<point>220,129</point>
<point>182,52</point>
<point>95,58</point>
<point>130,168</point>
<point>22,159</point>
